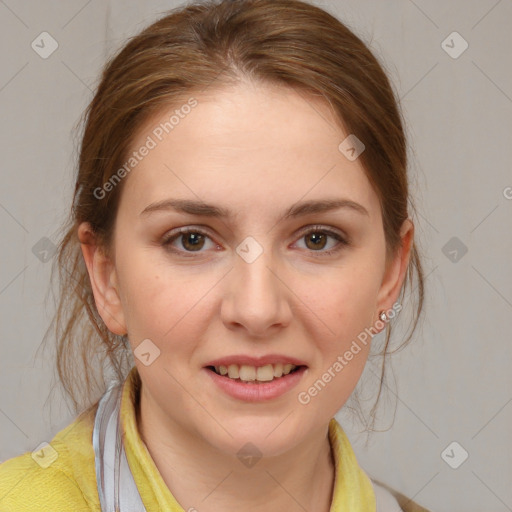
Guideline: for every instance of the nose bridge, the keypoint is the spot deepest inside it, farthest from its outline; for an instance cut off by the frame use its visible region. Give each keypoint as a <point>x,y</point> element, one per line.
<point>252,268</point>
<point>258,298</point>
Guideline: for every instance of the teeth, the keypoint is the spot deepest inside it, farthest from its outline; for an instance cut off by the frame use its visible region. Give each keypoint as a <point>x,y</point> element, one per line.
<point>248,373</point>
<point>232,371</point>
<point>288,368</point>
<point>265,373</point>
<point>278,370</point>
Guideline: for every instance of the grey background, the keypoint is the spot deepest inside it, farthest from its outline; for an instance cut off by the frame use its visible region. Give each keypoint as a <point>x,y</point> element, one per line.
<point>453,382</point>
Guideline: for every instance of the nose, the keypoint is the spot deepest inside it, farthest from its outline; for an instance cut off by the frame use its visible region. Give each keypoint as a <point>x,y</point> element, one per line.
<point>256,298</point>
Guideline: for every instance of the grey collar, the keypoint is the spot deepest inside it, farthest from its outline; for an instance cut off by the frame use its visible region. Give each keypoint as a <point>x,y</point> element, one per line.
<point>116,487</point>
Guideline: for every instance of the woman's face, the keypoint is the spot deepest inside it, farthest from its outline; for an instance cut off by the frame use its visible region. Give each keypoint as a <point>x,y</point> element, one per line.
<point>257,283</point>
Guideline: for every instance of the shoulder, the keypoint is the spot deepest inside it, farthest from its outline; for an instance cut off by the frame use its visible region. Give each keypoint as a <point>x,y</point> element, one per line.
<point>25,486</point>
<point>58,476</point>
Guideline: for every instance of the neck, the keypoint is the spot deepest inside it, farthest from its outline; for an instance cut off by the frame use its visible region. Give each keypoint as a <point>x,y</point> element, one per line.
<point>205,479</point>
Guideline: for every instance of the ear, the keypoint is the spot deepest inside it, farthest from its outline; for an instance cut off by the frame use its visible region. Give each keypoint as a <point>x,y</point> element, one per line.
<point>396,269</point>
<point>103,277</point>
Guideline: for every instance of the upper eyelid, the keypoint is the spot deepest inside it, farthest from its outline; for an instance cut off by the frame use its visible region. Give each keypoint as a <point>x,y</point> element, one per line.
<point>206,230</point>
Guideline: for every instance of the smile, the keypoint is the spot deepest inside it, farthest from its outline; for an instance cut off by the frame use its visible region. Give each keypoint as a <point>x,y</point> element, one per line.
<point>256,383</point>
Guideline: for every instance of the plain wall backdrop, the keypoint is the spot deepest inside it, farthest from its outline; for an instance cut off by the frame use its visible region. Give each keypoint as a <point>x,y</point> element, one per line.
<point>453,389</point>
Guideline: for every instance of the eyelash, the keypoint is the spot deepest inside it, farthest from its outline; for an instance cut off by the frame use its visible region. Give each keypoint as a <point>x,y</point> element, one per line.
<point>171,237</point>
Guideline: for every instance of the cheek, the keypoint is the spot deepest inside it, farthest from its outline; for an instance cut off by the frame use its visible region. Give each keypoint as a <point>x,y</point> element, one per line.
<point>143,297</point>
<point>160,302</point>
<point>348,304</point>
<point>348,309</point>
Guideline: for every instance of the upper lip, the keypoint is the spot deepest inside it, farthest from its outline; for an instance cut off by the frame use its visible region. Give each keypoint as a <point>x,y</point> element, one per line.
<point>242,359</point>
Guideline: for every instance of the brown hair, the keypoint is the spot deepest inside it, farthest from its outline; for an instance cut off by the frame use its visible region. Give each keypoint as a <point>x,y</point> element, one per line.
<point>284,42</point>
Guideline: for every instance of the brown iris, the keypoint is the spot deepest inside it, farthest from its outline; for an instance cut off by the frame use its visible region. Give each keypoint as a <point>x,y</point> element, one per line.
<point>317,238</point>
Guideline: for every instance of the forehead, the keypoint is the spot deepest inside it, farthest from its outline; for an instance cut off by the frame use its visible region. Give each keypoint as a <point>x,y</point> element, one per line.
<point>251,143</point>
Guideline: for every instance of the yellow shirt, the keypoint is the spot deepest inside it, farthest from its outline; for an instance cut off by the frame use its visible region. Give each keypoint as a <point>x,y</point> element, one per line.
<point>61,476</point>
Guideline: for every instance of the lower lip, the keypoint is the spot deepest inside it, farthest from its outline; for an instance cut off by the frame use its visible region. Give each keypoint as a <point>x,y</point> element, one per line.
<point>257,391</point>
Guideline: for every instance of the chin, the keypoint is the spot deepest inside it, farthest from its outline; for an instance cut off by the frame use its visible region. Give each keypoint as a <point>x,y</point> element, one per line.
<point>252,436</point>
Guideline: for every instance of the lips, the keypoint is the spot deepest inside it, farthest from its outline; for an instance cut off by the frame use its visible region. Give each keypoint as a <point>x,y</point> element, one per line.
<point>249,390</point>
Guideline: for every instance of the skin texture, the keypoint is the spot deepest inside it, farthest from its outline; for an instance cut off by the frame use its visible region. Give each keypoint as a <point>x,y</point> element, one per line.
<point>255,149</point>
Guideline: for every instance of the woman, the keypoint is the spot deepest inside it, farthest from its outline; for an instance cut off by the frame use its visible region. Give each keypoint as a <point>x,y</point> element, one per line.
<point>240,224</point>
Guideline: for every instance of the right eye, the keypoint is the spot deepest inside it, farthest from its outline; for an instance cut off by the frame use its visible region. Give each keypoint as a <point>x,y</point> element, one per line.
<point>191,240</point>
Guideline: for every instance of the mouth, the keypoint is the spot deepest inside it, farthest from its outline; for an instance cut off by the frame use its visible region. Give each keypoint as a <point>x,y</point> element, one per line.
<point>256,374</point>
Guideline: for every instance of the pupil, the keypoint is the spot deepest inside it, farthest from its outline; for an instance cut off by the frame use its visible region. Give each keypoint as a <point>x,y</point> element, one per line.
<point>194,239</point>
<point>317,239</point>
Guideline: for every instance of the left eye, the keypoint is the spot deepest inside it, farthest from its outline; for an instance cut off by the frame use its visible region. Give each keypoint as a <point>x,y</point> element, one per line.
<point>316,240</point>
<point>192,240</point>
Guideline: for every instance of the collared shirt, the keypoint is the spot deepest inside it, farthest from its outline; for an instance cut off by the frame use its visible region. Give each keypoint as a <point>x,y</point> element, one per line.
<point>60,476</point>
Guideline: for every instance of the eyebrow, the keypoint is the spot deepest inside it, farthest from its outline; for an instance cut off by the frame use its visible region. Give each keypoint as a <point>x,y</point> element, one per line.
<point>203,209</point>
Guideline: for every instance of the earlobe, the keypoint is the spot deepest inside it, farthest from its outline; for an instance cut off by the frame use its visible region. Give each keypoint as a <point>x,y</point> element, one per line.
<point>102,275</point>
<point>396,269</point>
